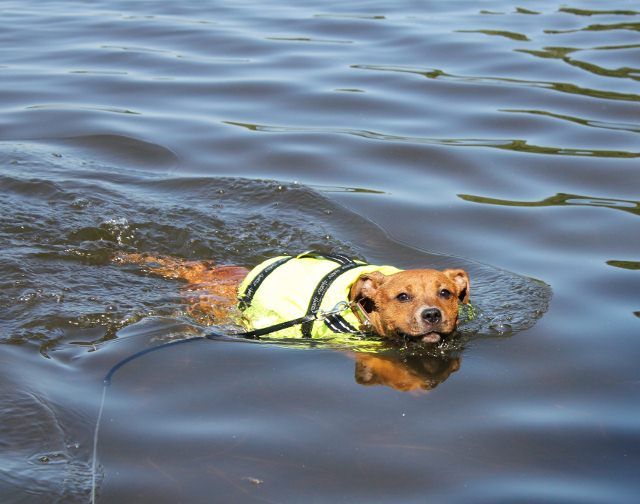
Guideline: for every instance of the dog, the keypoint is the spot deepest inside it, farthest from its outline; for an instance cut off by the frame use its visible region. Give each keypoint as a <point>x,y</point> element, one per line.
<point>345,295</point>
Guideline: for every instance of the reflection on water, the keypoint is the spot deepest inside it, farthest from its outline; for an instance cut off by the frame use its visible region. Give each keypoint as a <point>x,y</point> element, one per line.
<point>562,53</point>
<point>630,127</point>
<point>499,33</point>
<point>629,206</point>
<point>600,27</point>
<point>305,39</point>
<point>562,87</point>
<point>64,106</point>
<point>512,145</point>
<point>630,265</point>
<point>412,373</point>
<point>589,12</point>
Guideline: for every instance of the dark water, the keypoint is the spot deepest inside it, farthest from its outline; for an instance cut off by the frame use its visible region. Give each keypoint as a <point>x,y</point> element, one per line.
<point>497,137</point>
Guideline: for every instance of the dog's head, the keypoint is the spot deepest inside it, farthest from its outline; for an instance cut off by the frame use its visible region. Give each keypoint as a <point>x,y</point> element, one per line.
<point>415,304</point>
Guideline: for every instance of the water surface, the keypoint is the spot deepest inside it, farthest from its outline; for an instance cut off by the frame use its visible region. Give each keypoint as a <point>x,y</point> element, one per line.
<point>496,137</point>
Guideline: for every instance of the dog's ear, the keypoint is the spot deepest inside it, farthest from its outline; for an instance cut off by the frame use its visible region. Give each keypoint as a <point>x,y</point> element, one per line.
<point>461,279</point>
<point>366,287</point>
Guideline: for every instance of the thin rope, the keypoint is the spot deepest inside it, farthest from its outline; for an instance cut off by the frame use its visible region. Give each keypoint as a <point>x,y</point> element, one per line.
<point>94,462</point>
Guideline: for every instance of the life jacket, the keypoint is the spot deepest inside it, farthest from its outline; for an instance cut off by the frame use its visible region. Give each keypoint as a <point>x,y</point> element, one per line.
<point>288,287</point>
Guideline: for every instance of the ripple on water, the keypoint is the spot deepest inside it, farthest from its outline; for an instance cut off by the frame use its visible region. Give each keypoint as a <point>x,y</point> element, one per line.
<point>142,124</point>
<point>39,457</point>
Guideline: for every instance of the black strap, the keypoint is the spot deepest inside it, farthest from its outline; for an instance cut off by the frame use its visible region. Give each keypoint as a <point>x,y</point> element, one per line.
<point>252,288</point>
<point>256,333</point>
<point>320,291</point>
<point>339,258</point>
<point>250,291</point>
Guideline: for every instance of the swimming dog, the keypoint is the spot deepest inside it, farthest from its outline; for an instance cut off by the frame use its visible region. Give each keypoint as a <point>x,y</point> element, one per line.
<point>345,295</point>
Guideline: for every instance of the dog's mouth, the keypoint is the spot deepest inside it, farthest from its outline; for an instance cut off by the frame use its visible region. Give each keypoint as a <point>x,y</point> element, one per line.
<point>428,337</point>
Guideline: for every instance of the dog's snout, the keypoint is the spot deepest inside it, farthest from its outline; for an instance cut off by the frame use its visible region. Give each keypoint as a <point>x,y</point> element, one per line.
<point>431,315</point>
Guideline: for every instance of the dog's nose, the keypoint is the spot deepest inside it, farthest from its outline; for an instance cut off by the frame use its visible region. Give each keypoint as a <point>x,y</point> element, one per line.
<point>431,315</point>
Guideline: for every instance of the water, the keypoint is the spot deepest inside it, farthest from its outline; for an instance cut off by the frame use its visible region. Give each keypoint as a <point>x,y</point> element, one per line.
<point>496,137</point>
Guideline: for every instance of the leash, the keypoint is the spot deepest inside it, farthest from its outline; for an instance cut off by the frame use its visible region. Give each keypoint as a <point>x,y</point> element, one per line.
<point>254,334</point>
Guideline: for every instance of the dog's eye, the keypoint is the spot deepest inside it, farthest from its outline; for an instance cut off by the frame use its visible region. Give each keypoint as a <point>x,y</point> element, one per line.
<point>403,297</point>
<point>445,294</point>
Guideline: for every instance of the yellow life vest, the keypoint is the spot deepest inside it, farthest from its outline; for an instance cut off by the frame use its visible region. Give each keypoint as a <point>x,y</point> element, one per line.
<point>285,288</point>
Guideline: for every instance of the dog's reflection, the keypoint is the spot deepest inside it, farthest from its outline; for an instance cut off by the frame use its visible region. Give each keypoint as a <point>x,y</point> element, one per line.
<point>406,373</point>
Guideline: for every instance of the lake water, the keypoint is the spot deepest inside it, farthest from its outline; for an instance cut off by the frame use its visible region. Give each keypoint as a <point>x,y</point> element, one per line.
<point>498,137</point>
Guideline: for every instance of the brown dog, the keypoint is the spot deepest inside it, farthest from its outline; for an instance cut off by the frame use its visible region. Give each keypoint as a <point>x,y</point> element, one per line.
<point>420,304</point>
